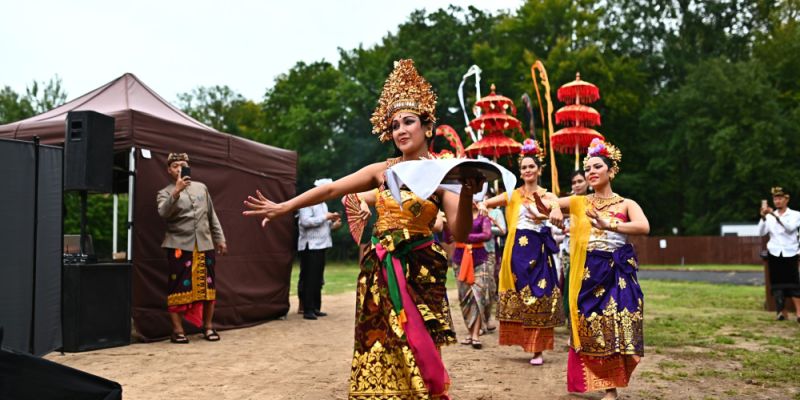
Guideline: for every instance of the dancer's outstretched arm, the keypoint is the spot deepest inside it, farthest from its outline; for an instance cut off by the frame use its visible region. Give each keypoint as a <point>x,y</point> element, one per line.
<point>362,180</point>
<point>458,209</point>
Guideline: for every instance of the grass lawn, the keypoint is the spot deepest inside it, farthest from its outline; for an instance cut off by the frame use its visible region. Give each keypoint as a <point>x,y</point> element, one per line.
<point>706,267</point>
<point>340,277</point>
<point>701,332</point>
<point>723,327</point>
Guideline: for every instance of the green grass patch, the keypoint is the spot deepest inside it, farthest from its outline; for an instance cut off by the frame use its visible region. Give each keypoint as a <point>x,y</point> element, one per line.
<point>711,325</point>
<point>340,277</point>
<point>707,267</point>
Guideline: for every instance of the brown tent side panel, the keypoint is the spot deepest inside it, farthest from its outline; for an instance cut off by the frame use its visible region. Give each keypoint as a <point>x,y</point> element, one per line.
<point>252,280</point>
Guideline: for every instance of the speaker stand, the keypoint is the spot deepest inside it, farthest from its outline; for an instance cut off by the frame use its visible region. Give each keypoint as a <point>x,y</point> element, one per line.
<point>84,196</point>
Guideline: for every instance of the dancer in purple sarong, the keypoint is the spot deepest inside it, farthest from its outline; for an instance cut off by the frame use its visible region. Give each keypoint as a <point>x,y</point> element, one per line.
<point>606,304</point>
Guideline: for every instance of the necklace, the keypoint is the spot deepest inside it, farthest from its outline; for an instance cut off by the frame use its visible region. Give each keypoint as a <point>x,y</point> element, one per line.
<point>527,197</point>
<point>601,203</point>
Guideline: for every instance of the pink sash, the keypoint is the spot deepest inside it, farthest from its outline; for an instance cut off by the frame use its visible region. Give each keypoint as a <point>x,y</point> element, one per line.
<point>427,356</point>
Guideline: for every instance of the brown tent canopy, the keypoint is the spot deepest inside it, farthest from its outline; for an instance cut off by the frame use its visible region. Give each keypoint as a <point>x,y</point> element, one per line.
<point>253,279</point>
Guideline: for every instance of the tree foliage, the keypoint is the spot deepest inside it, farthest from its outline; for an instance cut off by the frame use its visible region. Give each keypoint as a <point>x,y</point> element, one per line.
<point>701,96</point>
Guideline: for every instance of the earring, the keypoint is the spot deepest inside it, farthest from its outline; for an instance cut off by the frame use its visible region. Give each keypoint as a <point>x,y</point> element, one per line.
<point>429,134</point>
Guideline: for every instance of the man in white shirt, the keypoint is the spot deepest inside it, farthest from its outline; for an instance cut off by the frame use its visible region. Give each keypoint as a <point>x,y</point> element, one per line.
<point>314,227</point>
<point>781,224</point>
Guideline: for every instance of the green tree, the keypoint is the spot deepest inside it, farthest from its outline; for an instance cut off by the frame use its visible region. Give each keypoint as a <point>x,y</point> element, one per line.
<point>44,97</point>
<point>725,146</point>
<point>224,110</point>
<point>13,107</point>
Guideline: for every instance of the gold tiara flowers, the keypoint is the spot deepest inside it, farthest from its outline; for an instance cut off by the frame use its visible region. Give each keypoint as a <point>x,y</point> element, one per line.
<point>405,90</point>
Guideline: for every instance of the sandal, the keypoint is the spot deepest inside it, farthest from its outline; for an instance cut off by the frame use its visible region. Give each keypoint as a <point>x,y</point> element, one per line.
<point>211,335</point>
<point>476,344</point>
<point>179,338</point>
<point>467,341</point>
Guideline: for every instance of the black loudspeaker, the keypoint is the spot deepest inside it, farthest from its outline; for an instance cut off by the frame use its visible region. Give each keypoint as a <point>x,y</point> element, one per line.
<point>97,306</point>
<point>89,152</point>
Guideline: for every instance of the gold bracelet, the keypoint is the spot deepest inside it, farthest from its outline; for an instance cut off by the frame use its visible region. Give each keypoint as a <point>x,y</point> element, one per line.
<point>553,205</point>
<point>614,225</point>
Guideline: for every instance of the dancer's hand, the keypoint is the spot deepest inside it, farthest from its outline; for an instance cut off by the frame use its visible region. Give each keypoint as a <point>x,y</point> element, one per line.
<point>261,207</point>
<point>483,210</point>
<point>222,248</point>
<point>596,221</point>
<point>557,217</point>
<point>364,212</point>
<point>534,213</point>
<point>472,184</point>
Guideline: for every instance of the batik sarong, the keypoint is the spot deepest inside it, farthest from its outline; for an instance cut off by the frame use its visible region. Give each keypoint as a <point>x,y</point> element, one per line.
<point>191,282</point>
<point>529,313</point>
<point>385,364</point>
<point>609,322</point>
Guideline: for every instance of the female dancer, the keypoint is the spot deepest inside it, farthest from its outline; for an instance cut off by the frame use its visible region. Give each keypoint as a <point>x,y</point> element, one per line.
<point>605,300</point>
<point>530,300</point>
<point>474,272</point>
<point>402,313</point>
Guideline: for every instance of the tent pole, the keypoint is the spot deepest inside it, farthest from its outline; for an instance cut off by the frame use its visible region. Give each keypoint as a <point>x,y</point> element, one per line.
<point>131,176</point>
<point>114,230</point>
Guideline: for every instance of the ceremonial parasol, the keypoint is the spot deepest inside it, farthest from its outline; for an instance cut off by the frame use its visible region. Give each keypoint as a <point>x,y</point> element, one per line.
<point>495,121</point>
<point>577,118</point>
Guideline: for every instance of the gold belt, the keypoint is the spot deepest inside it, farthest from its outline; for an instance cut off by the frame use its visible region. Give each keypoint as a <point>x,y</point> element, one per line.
<point>393,239</point>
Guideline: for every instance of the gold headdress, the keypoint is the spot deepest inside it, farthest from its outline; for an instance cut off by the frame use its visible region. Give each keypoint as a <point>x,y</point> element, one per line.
<point>172,157</point>
<point>778,191</point>
<point>405,90</point>
<point>606,149</point>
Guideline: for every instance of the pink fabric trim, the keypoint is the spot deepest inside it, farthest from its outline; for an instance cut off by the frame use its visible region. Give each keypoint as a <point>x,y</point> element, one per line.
<point>428,359</point>
<point>575,379</point>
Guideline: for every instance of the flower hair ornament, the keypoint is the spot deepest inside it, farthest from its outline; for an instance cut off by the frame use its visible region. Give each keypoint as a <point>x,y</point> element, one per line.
<point>405,90</point>
<point>531,148</point>
<point>601,148</point>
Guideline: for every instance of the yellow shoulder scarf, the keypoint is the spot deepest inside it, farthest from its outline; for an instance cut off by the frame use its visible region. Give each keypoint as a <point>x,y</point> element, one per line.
<point>512,215</point>
<point>579,229</point>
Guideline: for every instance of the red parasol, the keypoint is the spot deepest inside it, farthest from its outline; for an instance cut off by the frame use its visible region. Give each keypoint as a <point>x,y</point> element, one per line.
<point>494,144</point>
<point>578,92</point>
<point>570,139</point>
<point>575,137</point>
<point>496,103</point>
<point>582,115</point>
<point>494,121</point>
<point>490,122</point>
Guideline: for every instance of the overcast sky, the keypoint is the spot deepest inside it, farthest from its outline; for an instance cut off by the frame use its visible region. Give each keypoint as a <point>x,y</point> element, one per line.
<point>175,46</point>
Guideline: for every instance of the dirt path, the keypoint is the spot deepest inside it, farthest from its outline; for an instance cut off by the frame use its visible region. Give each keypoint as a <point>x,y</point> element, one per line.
<point>299,359</point>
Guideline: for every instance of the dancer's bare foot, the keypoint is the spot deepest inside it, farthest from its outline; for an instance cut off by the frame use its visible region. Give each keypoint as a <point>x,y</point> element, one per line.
<point>611,394</point>
<point>537,359</point>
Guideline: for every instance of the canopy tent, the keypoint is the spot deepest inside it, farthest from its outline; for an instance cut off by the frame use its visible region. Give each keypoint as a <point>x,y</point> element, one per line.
<point>253,279</point>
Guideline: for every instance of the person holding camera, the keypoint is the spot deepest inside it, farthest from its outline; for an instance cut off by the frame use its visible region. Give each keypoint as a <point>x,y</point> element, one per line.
<point>192,236</point>
<point>781,224</point>
<point>314,237</point>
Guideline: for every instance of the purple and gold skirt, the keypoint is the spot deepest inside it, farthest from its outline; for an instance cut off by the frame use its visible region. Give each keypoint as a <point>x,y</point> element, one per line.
<point>529,313</point>
<point>610,322</point>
